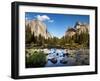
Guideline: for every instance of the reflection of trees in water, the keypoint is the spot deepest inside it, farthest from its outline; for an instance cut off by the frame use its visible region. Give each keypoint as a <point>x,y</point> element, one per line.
<point>78,57</point>
<point>82,57</point>
<point>56,57</point>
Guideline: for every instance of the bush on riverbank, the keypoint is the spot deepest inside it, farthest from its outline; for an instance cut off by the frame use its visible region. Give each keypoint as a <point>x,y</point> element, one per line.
<point>37,59</point>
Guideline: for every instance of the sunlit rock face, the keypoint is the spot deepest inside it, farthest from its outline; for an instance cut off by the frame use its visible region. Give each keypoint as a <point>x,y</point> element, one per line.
<point>81,27</point>
<point>78,28</point>
<point>38,28</point>
<point>70,32</point>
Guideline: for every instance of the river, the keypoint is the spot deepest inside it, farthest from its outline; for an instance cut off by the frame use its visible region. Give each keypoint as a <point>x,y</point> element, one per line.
<point>63,57</point>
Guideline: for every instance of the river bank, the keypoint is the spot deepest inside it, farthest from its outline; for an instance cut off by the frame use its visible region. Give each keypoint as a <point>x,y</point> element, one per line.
<point>62,57</point>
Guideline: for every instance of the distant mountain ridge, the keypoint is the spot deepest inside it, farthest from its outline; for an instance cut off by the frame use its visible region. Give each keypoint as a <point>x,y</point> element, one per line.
<point>78,28</point>
<point>38,27</point>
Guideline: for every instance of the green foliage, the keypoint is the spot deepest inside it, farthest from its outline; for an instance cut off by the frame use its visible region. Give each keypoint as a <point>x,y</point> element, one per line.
<point>28,35</point>
<point>64,42</point>
<point>82,39</point>
<point>37,59</point>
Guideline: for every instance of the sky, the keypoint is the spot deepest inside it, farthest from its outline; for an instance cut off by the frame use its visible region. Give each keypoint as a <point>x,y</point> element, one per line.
<point>57,24</point>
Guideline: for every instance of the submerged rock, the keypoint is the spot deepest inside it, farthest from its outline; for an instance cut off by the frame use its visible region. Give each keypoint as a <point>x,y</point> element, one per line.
<point>53,60</point>
<point>64,60</point>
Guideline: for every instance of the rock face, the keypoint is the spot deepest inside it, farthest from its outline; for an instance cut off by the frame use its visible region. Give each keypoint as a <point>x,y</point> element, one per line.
<point>81,27</point>
<point>78,28</point>
<point>70,32</point>
<point>38,28</point>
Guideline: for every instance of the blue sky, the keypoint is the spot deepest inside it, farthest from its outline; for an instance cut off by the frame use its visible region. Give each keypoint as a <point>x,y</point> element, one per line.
<point>57,24</point>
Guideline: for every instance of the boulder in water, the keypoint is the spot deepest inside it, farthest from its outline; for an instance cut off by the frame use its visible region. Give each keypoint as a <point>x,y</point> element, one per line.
<point>53,60</point>
<point>64,60</point>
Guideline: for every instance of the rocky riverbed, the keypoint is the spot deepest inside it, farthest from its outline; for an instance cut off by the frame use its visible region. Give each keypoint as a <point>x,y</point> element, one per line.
<point>64,57</point>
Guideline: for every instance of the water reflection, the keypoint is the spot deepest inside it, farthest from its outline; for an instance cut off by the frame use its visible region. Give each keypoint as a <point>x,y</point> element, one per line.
<point>61,57</point>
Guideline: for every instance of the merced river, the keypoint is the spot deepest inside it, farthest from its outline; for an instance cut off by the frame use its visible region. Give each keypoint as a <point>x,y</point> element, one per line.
<point>63,57</point>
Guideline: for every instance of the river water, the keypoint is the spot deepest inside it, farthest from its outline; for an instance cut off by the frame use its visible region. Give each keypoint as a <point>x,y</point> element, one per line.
<point>61,57</point>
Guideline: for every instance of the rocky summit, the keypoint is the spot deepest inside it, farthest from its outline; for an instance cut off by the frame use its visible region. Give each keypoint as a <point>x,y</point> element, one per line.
<point>37,28</point>
<point>78,28</point>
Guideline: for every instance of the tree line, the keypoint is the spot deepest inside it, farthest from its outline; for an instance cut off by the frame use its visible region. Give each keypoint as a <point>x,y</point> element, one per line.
<point>81,39</point>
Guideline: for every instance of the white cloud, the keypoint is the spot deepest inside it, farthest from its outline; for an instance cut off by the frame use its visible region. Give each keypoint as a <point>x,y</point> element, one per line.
<point>44,18</point>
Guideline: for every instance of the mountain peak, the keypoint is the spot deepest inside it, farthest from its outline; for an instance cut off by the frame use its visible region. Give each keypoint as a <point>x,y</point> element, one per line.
<point>78,28</point>
<point>38,28</point>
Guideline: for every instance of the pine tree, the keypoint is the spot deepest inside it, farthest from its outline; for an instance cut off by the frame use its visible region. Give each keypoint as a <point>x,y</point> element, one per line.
<point>28,35</point>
